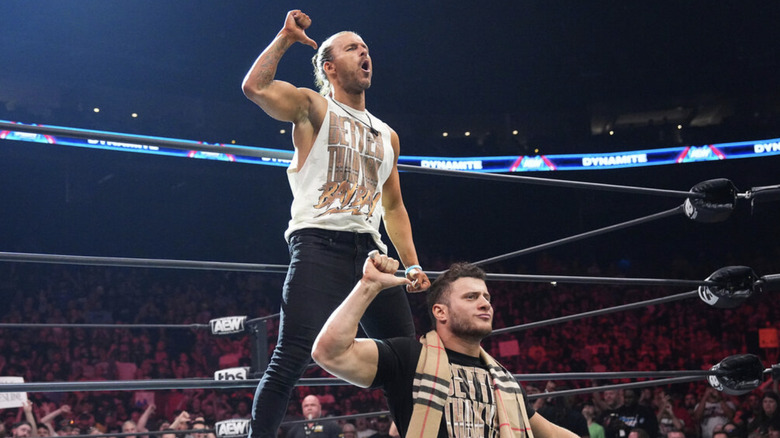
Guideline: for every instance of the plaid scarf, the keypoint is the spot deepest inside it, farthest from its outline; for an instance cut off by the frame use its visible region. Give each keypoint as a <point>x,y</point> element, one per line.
<point>431,388</point>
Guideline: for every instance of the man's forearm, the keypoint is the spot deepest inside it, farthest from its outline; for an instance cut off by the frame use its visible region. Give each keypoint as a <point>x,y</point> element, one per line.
<point>263,71</point>
<point>31,419</point>
<point>399,230</point>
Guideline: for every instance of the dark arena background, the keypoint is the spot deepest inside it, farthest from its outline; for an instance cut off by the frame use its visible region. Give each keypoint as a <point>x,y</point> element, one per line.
<point>508,79</point>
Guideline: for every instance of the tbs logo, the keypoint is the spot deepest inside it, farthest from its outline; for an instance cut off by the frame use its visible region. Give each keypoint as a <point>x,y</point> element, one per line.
<point>238,373</point>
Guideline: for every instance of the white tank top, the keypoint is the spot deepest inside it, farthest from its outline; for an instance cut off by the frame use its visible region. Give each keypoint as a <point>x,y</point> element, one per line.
<point>339,186</point>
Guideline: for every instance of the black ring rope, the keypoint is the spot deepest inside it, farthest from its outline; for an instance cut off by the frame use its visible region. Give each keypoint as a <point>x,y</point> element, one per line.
<point>263,318</point>
<point>643,384</point>
<point>339,417</point>
<point>203,383</point>
<point>250,267</point>
<point>599,280</point>
<point>581,236</point>
<point>592,313</point>
<point>206,431</point>
<point>131,262</point>
<point>140,434</point>
<point>551,182</point>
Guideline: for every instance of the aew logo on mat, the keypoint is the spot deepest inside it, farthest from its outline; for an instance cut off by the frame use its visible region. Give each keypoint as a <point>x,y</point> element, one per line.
<point>232,428</point>
<point>227,325</point>
<point>238,373</point>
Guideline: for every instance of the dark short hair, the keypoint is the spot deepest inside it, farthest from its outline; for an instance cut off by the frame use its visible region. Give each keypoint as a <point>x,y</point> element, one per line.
<point>19,424</point>
<point>440,287</point>
<point>771,394</point>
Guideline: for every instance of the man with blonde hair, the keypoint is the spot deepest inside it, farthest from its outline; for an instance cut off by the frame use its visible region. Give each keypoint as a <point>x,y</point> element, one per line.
<point>344,179</point>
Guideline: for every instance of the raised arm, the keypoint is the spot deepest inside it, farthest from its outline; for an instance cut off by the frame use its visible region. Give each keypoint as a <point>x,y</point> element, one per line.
<point>27,407</point>
<point>281,100</point>
<point>336,349</point>
<point>144,418</point>
<point>47,419</point>
<point>398,226</point>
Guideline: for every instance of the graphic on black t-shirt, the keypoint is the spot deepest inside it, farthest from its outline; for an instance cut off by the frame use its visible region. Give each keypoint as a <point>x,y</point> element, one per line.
<point>471,408</point>
<point>470,411</point>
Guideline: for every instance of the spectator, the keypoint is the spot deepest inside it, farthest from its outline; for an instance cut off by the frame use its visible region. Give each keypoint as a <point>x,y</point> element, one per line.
<point>85,423</point>
<point>348,430</point>
<point>131,426</point>
<point>558,411</point>
<point>712,411</point>
<point>669,416</point>
<point>749,408</point>
<point>200,424</point>
<point>638,432</point>
<point>607,402</point>
<point>382,424</point>
<point>632,415</point>
<point>23,429</point>
<point>47,420</point>
<point>312,411</point>
<point>595,430</point>
<point>767,417</point>
<point>181,422</point>
<point>363,427</point>
<point>734,431</point>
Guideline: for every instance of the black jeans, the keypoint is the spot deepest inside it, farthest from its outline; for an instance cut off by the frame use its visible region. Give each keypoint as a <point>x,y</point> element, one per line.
<point>324,267</point>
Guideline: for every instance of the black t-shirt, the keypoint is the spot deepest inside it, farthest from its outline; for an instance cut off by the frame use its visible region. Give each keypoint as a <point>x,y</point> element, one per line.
<point>318,429</point>
<point>470,403</point>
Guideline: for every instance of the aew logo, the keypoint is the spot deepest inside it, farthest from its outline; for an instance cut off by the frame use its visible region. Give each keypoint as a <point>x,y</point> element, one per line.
<point>238,373</point>
<point>227,325</point>
<point>232,428</point>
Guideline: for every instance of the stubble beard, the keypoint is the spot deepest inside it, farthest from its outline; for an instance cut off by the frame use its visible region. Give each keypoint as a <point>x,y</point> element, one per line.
<point>463,329</point>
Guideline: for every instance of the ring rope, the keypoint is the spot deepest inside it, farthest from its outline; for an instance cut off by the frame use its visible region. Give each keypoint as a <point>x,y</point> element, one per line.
<point>205,431</point>
<point>581,236</point>
<point>280,269</point>
<point>551,182</point>
<point>338,418</point>
<point>148,432</point>
<point>202,383</point>
<point>187,145</point>
<point>270,153</point>
<point>599,280</point>
<point>592,313</point>
<point>193,326</point>
<point>592,389</point>
<point>102,326</point>
<point>131,262</point>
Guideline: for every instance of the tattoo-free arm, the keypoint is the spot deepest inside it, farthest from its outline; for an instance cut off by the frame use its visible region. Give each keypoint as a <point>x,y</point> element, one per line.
<point>397,223</point>
<point>336,349</point>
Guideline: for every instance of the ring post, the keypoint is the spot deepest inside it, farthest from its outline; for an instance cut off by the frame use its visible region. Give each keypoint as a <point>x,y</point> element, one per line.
<point>258,332</point>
